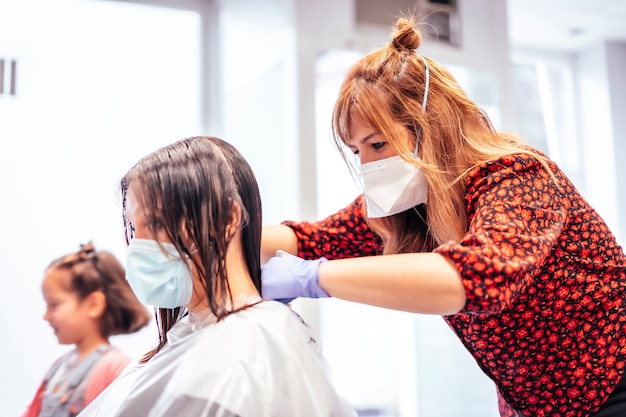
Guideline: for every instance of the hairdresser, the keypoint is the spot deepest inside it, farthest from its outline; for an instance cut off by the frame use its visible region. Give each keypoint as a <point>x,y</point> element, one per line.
<point>471,224</point>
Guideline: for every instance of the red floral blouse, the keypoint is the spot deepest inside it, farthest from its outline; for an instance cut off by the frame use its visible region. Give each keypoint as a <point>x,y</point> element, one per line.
<point>545,282</point>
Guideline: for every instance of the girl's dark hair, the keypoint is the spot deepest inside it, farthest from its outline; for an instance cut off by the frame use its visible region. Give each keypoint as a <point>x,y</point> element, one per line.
<point>92,271</point>
<point>190,191</point>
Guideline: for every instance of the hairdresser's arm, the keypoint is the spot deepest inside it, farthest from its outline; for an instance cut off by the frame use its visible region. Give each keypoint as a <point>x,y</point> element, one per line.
<point>414,282</point>
<point>344,234</point>
<point>276,237</point>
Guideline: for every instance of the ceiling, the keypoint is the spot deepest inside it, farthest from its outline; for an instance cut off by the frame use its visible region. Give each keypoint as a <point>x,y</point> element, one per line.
<point>565,25</point>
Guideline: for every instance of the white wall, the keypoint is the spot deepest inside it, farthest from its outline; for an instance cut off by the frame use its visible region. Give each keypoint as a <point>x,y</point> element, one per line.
<point>616,57</point>
<point>94,94</point>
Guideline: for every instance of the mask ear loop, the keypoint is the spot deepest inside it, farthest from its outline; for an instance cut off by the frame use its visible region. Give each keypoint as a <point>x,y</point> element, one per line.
<point>426,85</point>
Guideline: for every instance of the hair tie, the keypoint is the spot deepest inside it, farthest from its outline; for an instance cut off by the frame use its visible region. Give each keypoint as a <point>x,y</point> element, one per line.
<point>396,45</point>
<point>87,252</point>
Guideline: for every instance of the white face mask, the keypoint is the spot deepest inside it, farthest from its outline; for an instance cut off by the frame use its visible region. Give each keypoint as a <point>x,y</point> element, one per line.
<point>158,279</point>
<point>392,186</point>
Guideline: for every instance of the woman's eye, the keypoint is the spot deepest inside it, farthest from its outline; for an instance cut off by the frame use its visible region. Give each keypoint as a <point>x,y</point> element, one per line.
<point>378,145</point>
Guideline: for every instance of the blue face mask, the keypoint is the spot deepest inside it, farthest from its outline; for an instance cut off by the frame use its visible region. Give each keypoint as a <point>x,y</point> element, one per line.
<point>158,279</point>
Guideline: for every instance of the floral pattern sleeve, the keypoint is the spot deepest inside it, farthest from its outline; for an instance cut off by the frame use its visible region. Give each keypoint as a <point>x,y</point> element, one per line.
<point>341,235</point>
<point>516,216</point>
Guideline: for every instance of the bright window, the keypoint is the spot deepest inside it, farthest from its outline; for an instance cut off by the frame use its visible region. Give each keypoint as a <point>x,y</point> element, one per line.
<point>545,111</point>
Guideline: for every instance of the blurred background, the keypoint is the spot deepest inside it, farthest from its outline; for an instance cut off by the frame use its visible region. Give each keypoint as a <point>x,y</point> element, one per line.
<point>87,87</point>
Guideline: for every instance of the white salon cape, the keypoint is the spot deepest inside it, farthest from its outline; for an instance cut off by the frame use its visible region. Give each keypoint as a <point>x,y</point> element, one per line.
<point>259,362</point>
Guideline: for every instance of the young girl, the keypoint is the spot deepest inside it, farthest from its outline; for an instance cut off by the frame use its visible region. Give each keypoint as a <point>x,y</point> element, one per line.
<point>193,218</point>
<point>88,300</point>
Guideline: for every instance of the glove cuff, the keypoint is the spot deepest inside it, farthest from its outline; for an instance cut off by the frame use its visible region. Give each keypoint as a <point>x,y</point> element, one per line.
<point>314,289</point>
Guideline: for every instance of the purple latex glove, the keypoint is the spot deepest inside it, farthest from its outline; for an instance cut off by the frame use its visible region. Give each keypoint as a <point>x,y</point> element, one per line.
<point>285,277</point>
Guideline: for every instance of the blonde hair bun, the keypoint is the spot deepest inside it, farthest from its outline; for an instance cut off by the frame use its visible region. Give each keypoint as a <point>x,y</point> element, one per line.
<point>406,35</point>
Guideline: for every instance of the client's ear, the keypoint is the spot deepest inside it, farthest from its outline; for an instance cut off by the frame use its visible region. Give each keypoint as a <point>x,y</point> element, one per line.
<point>235,220</point>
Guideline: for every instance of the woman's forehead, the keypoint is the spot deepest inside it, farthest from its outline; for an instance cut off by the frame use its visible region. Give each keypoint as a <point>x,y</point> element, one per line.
<point>135,208</point>
<point>132,207</point>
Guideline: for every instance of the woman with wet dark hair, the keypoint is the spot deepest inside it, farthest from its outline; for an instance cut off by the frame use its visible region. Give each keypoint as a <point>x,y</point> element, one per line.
<point>192,213</point>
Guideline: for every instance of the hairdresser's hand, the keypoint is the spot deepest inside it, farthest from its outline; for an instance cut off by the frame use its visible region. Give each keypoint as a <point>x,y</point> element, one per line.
<point>285,277</point>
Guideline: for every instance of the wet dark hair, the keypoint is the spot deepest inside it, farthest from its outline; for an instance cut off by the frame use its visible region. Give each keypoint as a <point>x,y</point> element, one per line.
<point>92,271</point>
<point>190,191</point>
